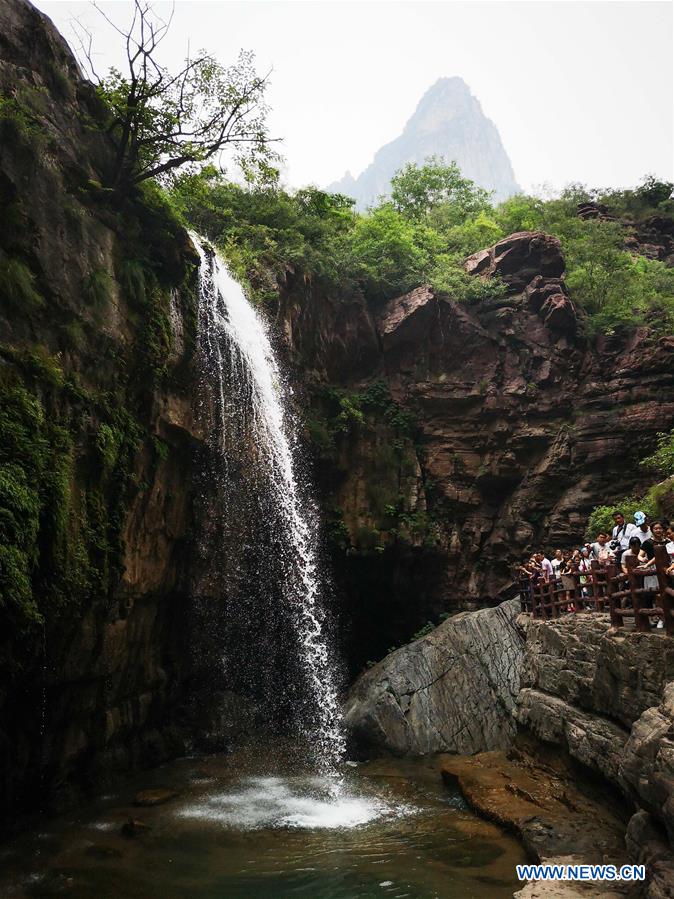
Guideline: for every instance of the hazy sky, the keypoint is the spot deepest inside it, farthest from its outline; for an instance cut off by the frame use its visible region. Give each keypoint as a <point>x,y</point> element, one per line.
<point>580,91</point>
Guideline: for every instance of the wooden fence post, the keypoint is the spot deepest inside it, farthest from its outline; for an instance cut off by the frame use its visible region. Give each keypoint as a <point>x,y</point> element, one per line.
<point>612,572</point>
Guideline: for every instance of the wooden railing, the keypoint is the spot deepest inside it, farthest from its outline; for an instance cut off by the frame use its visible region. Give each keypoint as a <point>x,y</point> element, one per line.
<point>606,588</point>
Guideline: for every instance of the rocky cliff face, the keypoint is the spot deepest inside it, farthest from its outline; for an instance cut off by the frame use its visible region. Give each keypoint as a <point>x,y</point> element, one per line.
<point>97,438</point>
<point>448,122</point>
<point>607,697</point>
<point>487,429</point>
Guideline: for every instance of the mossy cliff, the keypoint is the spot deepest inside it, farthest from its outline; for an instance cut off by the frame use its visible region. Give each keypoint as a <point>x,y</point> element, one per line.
<point>97,332</point>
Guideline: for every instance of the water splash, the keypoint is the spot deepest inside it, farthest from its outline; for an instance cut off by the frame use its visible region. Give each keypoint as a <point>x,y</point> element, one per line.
<point>297,803</point>
<point>233,339</point>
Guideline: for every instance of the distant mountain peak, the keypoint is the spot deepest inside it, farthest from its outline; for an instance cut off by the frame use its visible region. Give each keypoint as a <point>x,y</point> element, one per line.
<point>448,122</point>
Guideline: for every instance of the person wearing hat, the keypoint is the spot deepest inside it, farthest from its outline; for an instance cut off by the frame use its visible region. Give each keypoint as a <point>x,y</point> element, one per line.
<point>643,528</point>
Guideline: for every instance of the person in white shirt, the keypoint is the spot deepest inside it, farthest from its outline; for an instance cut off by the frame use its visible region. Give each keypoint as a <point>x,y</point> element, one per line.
<point>557,561</point>
<point>545,565</point>
<point>620,535</point>
<point>600,550</point>
<point>642,528</point>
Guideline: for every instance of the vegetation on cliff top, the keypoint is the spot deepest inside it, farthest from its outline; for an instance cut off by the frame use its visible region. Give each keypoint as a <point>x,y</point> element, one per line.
<point>433,220</point>
<point>657,502</point>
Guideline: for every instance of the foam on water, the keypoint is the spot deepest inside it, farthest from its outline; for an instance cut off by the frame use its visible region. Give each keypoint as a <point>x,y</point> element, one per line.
<point>303,803</point>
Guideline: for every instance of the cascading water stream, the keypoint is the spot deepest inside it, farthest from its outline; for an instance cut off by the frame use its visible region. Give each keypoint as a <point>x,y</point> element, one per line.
<point>233,342</point>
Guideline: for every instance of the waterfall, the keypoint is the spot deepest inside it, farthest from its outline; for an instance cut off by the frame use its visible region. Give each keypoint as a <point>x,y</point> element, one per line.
<point>250,407</point>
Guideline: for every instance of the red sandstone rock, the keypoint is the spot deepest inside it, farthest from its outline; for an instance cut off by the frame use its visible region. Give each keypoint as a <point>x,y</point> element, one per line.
<point>519,258</point>
<point>407,318</point>
<point>524,424</point>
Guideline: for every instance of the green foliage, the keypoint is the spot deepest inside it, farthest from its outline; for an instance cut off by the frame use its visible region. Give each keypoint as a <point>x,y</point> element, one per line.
<point>416,191</point>
<point>347,412</point>
<point>661,498</point>
<point>73,335</point>
<point>17,287</point>
<point>350,414</point>
<point>651,196</point>
<point>161,448</point>
<point>161,120</point>
<point>320,434</point>
<point>657,502</point>
<point>450,277</point>
<point>387,253</point>
<point>337,532</point>
<point>156,334</point>
<point>601,517</point>
<point>131,276</point>
<point>98,287</point>
<point>662,460</point>
<point>263,229</point>
<point>19,119</point>
<point>434,219</point>
<point>59,541</point>
<point>42,366</point>
<point>24,455</point>
<point>108,443</point>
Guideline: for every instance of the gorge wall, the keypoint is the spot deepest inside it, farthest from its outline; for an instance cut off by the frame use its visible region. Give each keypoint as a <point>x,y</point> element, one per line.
<point>452,437</point>
<point>97,439</point>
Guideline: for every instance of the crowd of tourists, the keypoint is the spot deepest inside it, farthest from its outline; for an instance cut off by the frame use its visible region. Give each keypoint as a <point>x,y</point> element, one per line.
<point>571,567</point>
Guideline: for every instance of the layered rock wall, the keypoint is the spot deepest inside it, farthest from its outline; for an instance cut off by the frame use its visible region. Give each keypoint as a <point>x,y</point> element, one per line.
<point>606,696</point>
<point>493,679</point>
<point>516,421</point>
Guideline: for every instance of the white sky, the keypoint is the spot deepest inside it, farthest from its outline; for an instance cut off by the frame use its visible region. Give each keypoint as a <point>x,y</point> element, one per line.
<point>580,91</point>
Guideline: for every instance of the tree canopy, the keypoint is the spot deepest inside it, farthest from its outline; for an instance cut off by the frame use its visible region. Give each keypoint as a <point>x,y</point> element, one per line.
<point>416,191</point>
<point>161,121</point>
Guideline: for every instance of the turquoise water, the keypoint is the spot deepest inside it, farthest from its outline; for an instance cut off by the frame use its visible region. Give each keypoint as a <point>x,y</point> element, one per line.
<point>391,830</point>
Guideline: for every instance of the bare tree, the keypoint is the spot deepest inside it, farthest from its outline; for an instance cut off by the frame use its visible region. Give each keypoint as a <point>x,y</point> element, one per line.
<point>161,121</point>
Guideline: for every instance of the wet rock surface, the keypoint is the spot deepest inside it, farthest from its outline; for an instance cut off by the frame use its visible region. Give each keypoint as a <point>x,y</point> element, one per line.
<point>606,696</point>
<point>556,816</point>
<point>157,796</point>
<point>95,690</point>
<point>453,690</point>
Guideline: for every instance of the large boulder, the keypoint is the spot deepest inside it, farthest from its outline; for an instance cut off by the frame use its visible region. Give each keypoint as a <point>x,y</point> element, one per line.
<point>406,318</point>
<point>451,691</point>
<point>518,258</point>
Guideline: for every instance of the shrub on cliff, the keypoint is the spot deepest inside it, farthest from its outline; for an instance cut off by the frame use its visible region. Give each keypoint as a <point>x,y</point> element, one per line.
<point>662,460</point>
<point>437,187</point>
<point>657,502</point>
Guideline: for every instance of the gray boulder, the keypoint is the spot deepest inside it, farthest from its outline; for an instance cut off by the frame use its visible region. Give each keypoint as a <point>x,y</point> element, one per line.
<point>451,691</point>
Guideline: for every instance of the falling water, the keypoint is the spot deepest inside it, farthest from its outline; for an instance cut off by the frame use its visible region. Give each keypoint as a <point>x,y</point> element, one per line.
<point>235,349</point>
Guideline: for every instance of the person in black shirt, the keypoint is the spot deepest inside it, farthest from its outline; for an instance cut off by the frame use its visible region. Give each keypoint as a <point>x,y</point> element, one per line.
<point>658,539</point>
<point>648,547</point>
